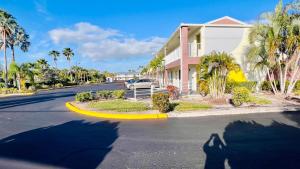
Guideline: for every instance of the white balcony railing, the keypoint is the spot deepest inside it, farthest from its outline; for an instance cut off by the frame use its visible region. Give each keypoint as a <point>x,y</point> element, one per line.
<point>173,56</point>
<point>194,49</point>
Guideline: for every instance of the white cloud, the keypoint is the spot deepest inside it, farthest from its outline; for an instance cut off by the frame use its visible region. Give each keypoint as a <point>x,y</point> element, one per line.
<point>98,43</point>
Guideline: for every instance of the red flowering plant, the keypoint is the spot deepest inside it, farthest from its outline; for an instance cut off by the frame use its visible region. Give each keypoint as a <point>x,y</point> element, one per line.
<point>173,92</point>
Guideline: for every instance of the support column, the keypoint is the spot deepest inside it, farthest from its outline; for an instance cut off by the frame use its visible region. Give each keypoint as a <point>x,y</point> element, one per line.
<point>184,31</point>
<point>166,78</point>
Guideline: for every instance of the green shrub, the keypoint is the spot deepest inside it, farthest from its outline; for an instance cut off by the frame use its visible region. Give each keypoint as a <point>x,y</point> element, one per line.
<point>250,85</point>
<point>2,85</point>
<point>8,90</point>
<point>84,96</point>
<point>203,87</point>
<point>240,95</point>
<point>118,94</point>
<point>59,85</point>
<point>297,85</point>
<point>161,102</point>
<point>104,94</point>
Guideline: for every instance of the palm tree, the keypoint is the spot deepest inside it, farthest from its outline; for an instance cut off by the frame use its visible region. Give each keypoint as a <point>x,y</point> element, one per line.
<point>14,72</point>
<point>20,39</point>
<point>7,28</point>
<point>68,53</point>
<point>55,54</point>
<point>275,47</point>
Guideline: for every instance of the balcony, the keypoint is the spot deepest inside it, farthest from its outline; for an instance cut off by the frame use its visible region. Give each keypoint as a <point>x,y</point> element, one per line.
<point>194,49</point>
<point>173,56</point>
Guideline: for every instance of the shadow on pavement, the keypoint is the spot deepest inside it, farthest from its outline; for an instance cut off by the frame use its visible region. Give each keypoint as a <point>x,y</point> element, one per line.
<point>249,145</point>
<point>75,144</point>
<point>31,100</point>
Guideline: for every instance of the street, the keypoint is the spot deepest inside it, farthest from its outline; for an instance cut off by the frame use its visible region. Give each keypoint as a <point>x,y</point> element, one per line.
<point>39,132</point>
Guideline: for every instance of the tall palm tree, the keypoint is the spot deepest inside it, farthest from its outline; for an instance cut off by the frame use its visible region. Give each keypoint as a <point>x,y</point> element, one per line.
<point>7,28</point>
<point>68,53</point>
<point>275,46</point>
<point>55,54</point>
<point>20,39</point>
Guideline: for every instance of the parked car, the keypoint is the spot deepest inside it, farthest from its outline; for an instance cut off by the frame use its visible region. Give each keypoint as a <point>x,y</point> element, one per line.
<point>129,82</point>
<point>143,83</point>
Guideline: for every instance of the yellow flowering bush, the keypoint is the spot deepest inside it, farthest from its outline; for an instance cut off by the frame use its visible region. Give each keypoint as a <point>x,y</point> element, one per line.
<point>236,76</point>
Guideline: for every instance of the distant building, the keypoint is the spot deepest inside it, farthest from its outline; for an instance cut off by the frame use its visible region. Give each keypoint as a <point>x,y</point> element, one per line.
<point>122,76</point>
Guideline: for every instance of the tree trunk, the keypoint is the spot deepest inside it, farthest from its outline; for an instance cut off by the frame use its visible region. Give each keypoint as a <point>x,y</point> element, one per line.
<point>271,82</point>
<point>281,78</point>
<point>294,80</point>
<point>70,71</point>
<point>13,60</point>
<point>18,81</point>
<point>5,60</point>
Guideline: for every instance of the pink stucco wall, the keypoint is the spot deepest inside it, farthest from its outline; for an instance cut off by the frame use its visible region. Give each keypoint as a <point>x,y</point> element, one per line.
<point>185,58</point>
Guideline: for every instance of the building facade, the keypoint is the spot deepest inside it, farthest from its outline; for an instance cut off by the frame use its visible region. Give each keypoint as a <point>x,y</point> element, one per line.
<point>123,76</point>
<point>189,42</point>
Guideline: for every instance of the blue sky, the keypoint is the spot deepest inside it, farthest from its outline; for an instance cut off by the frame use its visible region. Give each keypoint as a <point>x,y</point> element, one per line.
<point>116,35</point>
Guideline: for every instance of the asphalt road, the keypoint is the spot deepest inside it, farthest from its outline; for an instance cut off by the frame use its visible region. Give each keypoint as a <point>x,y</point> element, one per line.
<point>38,132</point>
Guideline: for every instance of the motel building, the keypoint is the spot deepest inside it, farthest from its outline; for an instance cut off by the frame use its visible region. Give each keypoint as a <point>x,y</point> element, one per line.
<point>191,41</point>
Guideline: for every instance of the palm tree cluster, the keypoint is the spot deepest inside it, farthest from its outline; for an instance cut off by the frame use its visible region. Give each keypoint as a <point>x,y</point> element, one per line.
<point>275,47</point>
<point>40,74</point>
<point>68,53</point>
<point>12,35</point>
<point>213,70</point>
<point>155,65</point>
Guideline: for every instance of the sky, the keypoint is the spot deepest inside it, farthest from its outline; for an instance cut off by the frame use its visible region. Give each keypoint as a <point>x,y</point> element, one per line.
<point>115,35</point>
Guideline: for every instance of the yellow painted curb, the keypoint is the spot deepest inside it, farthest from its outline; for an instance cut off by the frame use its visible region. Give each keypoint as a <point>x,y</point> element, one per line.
<point>73,108</point>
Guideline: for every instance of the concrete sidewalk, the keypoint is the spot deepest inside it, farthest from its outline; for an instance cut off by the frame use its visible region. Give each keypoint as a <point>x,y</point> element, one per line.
<point>232,111</point>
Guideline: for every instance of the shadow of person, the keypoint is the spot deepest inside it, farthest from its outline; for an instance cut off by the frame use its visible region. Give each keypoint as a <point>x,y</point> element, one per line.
<point>74,144</point>
<point>215,152</point>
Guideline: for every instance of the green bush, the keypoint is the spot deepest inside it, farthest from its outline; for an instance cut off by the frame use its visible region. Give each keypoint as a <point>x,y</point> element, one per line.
<point>297,85</point>
<point>161,102</point>
<point>84,96</point>
<point>118,94</point>
<point>203,87</point>
<point>240,95</point>
<point>59,85</point>
<point>8,90</point>
<point>250,85</point>
<point>2,85</point>
<point>104,94</point>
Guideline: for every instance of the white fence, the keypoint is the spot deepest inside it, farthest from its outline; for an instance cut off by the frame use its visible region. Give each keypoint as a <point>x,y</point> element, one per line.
<point>144,93</point>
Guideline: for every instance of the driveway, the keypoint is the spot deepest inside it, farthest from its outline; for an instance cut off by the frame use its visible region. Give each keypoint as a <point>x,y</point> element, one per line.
<point>38,132</point>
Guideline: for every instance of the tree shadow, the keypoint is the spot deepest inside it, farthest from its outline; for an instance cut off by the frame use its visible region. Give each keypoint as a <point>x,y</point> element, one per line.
<point>30,100</point>
<point>250,145</point>
<point>74,144</point>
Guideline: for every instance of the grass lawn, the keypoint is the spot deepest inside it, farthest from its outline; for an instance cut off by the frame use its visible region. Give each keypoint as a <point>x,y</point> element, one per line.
<point>188,106</point>
<point>119,106</point>
<point>259,101</point>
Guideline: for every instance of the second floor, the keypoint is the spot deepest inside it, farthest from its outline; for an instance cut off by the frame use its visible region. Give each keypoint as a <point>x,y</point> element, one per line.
<point>222,35</point>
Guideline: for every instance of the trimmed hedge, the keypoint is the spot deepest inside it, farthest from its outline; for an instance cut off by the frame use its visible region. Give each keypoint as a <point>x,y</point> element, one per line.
<point>161,102</point>
<point>84,96</point>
